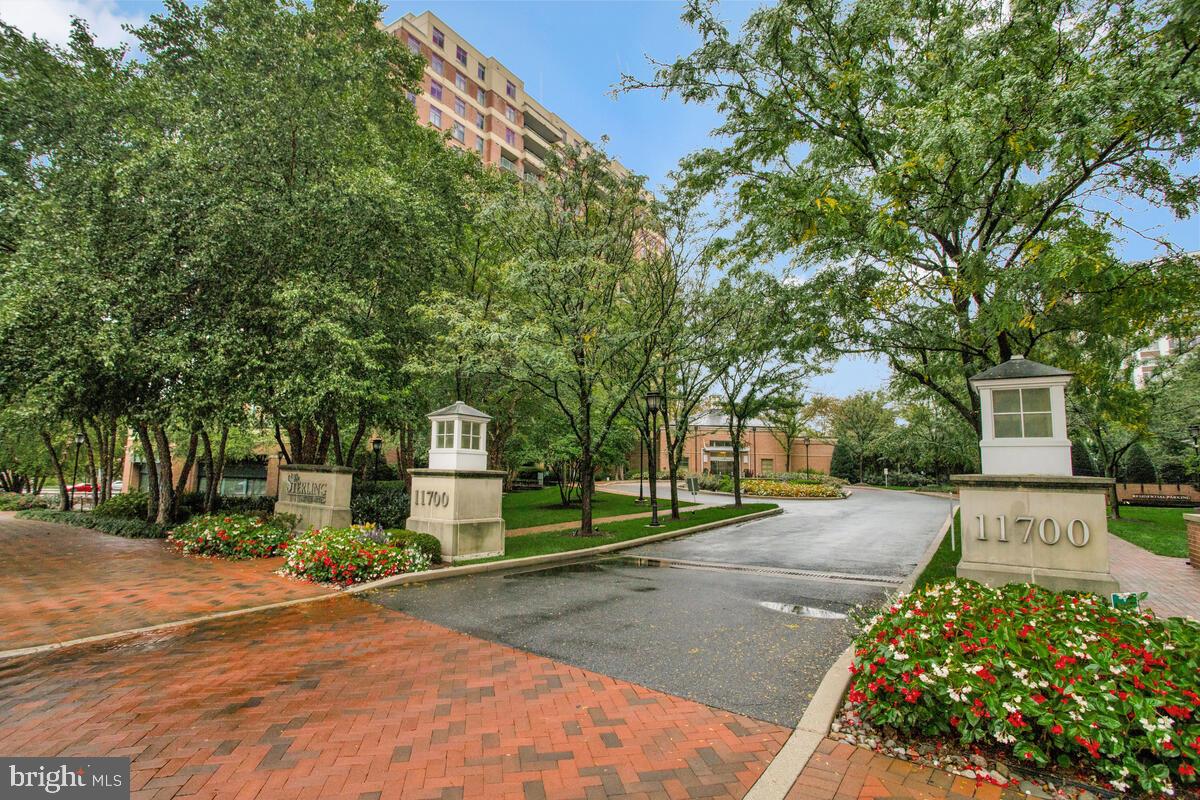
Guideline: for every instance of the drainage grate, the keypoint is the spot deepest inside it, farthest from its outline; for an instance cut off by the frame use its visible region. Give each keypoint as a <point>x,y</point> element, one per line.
<point>852,577</point>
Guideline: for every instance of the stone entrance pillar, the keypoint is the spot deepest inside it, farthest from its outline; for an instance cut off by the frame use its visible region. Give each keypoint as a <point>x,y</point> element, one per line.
<point>1027,518</point>
<point>318,495</point>
<point>457,499</point>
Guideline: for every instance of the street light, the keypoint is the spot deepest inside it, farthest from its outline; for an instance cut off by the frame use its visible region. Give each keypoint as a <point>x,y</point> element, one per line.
<point>377,447</point>
<point>641,468</point>
<point>653,403</point>
<point>1194,432</point>
<point>75,470</point>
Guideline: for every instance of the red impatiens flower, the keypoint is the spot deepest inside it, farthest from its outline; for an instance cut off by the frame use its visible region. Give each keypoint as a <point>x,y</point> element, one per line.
<point>1038,698</point>
<point>1187,769</point>
<point>1089,745</point>
<point>1016,720</point>
<point>1057,729</point>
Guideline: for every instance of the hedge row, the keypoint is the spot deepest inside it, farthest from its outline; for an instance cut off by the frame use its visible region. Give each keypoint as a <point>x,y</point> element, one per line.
<point>129,528</point>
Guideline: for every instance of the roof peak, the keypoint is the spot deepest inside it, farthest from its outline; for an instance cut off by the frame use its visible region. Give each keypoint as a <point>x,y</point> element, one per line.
<point>458,408</point>
<point>1018,366</point>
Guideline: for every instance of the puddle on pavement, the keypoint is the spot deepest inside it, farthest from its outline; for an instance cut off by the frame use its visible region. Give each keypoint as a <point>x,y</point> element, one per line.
<point>597,565</point>
<point>803,611</point>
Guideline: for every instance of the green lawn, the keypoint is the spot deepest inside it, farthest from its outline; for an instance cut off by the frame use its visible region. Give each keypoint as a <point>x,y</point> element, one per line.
<point>536,544</point>
<point>1159,530</point>
<point>941,566</point>
<point>544,507</point>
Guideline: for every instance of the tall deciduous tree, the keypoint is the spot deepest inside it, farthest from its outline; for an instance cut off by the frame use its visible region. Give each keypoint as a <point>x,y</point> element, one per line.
<point>944,160</point>
<point>862,422</point>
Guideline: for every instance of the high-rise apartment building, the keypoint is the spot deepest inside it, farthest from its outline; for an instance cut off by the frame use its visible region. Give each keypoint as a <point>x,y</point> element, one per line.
<point>479,101</point>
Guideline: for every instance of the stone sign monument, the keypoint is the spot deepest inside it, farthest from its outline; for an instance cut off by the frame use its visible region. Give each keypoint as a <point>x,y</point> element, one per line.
<point>1027,518</point>
<point>457,499</point>
<point>318,495</point>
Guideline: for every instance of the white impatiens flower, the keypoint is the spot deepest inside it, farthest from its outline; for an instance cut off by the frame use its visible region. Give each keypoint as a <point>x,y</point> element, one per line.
<point>900,656</point>
<point>941,670</point>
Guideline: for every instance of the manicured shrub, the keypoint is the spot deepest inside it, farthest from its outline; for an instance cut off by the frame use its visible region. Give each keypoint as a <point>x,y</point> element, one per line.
<point>233,535</point>
<point>756,487</point>
<point>253,504</point>
<point>129,528</point>
<point>1056,678</point>
<point>384,503</point>
<point>803,477</point>
<point>350,555</point>
<point>425,542</point>
<point>21,502</point>
<point>131,505</point>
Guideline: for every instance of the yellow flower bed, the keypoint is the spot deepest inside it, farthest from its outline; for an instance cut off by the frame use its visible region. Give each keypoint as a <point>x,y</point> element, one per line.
<point>761,488</point>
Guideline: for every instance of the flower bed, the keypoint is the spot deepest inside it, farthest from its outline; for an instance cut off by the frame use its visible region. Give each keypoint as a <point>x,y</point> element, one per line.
<point>757,487</point>
<point>1057,679</point>
<point>350,555</point>
<point>233,535</point>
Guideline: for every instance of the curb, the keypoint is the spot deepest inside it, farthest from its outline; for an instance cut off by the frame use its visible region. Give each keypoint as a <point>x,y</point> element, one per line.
<point>793,757</point>
<point>413,577</point>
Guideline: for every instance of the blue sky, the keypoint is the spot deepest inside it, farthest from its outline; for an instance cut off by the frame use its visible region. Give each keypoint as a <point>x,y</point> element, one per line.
<point>570,55</point>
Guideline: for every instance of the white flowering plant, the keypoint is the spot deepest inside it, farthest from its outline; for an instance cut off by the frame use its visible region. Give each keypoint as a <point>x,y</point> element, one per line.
<point>233,536</point>
<point>350,555</point>
<point>1057,678</point>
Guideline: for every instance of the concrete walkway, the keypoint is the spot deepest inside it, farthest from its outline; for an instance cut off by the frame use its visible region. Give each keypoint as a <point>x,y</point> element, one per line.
<point>1173,584</point>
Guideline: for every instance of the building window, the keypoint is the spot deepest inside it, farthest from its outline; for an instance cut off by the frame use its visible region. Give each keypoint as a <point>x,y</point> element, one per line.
<point>470,439</point>
<point>439,38</point>
<point>479,145</point>
<point>481,72</point>
<point>479,120</point>
<point>444,434</point>
<point>509,136</point>
<point>414,44</point>
<point>510,89</point>
<point>435,117</point>
<point>460,132</point>
<point>510,112</point>
<point>439,66</point>
<point>460,81</point>
<point>412,97</point>
<point>481,96</point>
<point>1022,413</point>
<point>768,465</point>
<point>435,90</point>
<point>461,55</point>
<point>460,106</point>
<point>683,462</point>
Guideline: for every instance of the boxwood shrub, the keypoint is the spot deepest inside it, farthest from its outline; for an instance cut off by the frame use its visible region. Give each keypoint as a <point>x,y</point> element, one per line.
<point>1055,678</point>
<point>384,503</point>
<point>131,505</point>
<point>21,502</point>
<point>129,528</point>
<point>425,542</point>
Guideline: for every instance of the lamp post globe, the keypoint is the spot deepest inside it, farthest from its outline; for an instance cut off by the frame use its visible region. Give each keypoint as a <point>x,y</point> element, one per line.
<point>653,404</point>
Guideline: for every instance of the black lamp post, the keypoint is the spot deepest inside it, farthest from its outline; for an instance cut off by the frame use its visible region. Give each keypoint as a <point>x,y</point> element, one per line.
<point>653,403</point>
<point>75,470</point>
<point>377,448</point>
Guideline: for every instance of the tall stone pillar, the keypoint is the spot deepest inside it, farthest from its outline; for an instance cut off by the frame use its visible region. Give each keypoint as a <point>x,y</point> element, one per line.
<point>1027,518</point>
<point>457,499</point>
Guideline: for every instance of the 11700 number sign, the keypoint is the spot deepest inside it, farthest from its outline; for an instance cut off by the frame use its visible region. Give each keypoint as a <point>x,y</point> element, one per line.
<point>1048,530</point>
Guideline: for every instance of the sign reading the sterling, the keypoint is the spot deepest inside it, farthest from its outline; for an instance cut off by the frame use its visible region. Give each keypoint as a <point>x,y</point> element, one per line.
<point>319,496</point>
<point>298,490</point>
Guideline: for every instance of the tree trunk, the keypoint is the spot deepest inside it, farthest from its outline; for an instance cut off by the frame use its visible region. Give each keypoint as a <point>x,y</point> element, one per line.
<point>653,468</point>
<point>213,499</point>
<point>94,479</point>
<point>735,441</point>
<point>186,470</point>
<point>151,471</point>
<point>64,499</point>
<point>586,483</point>
<point>166,486</point>
<point>359,433</point>
<point>207,460</point>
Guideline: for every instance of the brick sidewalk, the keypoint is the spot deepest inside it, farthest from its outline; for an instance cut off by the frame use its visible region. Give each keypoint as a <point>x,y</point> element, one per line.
<point>345,699</point>
<point>62,583</point>
<point>1174,586</point>
<point>839,771</point>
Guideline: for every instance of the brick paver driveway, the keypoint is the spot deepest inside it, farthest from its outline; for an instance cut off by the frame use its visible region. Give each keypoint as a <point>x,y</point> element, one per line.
<point>342,698</point>
<point>61,583</point>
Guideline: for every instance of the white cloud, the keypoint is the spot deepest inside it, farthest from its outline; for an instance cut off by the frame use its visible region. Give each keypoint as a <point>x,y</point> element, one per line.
<point>51,19</point>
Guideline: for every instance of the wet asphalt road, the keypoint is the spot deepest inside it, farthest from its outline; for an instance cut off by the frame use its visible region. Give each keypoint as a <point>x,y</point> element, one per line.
<point>702,633</point>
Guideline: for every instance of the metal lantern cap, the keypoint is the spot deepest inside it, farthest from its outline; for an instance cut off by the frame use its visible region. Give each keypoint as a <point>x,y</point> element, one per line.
<point>1194,430</point>
<point>377,444</point>
<point>79,438</point>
